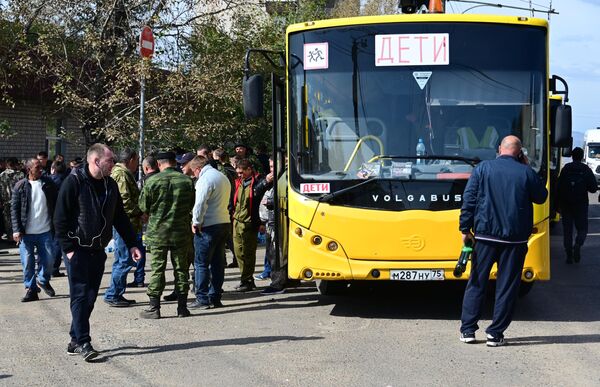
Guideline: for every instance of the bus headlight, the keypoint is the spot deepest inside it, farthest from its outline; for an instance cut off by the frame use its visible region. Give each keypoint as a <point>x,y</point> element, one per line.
<point>316,240</point>
<point>332,246</point>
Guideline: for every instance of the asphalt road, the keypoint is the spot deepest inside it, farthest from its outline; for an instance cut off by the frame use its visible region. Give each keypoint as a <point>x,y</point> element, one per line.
<point>394,335</point>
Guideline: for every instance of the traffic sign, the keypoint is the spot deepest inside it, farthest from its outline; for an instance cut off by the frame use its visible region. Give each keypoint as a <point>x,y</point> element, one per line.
<point>146,42</point>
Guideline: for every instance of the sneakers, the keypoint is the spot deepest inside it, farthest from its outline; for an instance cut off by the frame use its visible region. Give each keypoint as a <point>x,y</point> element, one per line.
<point>269,290</point>
<point>86,350</point>
<point>232,264</point>
<point>576,253</point>
<point>117,303</point>
<point>217,304</point>
<point>262,276</point>
<point>245,287</point>
<point>30,295</point>
<point>134,284</point>
<point>468,338</point>
<point>58,273</point>
<point>47,289</point>
<point>493,341</point>
<point>198,305</point>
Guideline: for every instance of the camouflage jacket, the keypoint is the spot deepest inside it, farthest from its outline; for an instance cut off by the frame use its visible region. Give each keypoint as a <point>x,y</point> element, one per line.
<point>168,199</point>
<point>130,193</point>
<point>8,179</point>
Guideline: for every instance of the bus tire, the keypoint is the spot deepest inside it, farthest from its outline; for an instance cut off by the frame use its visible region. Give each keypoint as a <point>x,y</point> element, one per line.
<point>525,288</point>
<point>331,288</point>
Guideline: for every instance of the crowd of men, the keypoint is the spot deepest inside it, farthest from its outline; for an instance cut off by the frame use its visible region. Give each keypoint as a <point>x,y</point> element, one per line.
<point>191,206</point>
<point>188,206</point>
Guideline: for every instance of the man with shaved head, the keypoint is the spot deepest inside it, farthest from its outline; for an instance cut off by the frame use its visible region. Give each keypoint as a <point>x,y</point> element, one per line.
<point>88,206</point>
<point>497,214</point>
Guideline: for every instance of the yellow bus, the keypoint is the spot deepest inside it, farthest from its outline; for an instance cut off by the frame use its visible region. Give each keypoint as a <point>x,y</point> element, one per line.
<point>382,119</point>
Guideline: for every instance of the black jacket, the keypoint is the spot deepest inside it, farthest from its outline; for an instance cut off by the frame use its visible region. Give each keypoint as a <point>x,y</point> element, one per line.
<point>574,182</point>
<point>21,202</point>
<point>86,211</point>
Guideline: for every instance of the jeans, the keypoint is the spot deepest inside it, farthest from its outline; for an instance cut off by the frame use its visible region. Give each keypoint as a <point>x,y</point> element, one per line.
<point>45,248</point>
<point>510,259</point>
<point>209,262</point>
<point>123,263</point>
<point>85,270</point>
<point>140,266</point>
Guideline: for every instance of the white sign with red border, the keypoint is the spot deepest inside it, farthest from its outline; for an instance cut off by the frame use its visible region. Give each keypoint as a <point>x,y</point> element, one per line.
<point>316,56</point>
<point>412,49</point>
<point>314,188</point>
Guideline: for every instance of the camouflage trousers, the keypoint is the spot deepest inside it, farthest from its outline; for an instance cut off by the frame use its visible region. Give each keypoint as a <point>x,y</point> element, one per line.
<point>180,262</point>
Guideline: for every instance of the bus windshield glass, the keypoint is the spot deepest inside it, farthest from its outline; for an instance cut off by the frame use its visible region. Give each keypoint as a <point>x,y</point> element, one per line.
<point>414,101</point>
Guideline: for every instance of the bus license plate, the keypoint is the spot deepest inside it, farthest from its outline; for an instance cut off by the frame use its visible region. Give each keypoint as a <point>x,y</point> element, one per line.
<point>417,275</point>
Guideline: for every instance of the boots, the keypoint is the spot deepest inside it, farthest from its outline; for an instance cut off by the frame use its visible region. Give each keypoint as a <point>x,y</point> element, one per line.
<point>171,297</point>
<point>182,310</point>
<point>153,311</point>
<point>576,253</point>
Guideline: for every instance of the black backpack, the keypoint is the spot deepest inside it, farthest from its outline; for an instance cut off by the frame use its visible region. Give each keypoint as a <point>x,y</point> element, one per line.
<point>572,186</point>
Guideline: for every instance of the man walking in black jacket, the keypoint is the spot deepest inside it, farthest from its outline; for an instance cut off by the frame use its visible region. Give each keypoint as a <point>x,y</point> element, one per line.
<point>32,206</point>
<point>575,181</point>
<point>88,206</point>
<point>497,208</point>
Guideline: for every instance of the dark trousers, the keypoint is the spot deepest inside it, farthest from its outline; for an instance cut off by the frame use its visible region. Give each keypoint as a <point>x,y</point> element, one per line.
<point>510,259</point>
<point>85,270</point>
<point>209,262</point>
<point>577,216</point>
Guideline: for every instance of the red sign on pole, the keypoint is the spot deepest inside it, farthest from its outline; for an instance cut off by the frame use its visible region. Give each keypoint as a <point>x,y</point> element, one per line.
<point>146,42</point>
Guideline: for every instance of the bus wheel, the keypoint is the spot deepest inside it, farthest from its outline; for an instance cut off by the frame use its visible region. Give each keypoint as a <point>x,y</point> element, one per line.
<point>525,288</point>
<point>331,288</point>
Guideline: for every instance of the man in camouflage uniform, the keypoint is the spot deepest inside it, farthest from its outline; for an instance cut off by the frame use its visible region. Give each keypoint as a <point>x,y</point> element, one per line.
<point>168,199</point>
<point>122,174</point>
<point>8,179</point>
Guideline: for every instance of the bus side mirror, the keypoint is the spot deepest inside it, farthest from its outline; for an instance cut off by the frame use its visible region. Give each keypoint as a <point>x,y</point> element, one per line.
<point>566,152</point>
<point>561,127</point>
<point>253,96</point>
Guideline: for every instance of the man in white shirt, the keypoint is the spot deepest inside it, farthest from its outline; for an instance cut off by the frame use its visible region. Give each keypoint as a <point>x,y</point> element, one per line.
<point>32,206</point>
<point>211,228</point>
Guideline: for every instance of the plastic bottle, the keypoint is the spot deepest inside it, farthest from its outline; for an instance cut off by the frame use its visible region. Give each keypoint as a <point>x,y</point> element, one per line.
<point>420,151</point>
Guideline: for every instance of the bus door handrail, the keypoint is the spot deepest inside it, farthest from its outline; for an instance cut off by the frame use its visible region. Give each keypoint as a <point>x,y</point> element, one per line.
<point>357,147</point>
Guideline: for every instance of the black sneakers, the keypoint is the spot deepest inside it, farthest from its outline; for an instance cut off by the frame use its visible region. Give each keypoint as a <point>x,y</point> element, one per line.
<point>493,341</point>
<point>120,302</point>
<point>269,290</point>
<point>245,286</point>
<point>468,338</point>
<point>30,295</point>
<point>134,284</point>
<point>47,289</point>
<point>86,350</point>
<point>198,305</point>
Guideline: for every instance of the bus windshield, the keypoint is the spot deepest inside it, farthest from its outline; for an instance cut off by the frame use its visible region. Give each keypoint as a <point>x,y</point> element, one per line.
<point>369,107</point>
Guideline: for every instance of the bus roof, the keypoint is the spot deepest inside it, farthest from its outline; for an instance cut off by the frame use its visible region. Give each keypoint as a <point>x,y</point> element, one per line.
<point>418,18</point>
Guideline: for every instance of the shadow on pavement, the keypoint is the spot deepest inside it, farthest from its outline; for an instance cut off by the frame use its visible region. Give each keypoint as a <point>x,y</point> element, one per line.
<point>132,351</point>
<point>570,339</point>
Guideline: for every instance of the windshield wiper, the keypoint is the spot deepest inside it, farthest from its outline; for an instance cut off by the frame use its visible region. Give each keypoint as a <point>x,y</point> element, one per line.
<point>330,196</point>
<point>471,161</point>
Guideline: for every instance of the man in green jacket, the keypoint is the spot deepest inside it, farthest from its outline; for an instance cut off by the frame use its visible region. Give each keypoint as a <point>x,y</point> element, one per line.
<point>122,173</point>
<point>168,199</point>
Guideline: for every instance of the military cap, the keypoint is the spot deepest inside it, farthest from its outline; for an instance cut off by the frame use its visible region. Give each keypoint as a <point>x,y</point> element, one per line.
<point>165,156</point>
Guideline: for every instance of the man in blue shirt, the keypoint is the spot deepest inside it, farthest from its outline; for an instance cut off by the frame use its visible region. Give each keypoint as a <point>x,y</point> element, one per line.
<point>497,212</point>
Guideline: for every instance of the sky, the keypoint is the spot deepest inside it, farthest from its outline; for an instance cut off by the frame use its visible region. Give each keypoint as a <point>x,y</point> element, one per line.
<point>574,51</point>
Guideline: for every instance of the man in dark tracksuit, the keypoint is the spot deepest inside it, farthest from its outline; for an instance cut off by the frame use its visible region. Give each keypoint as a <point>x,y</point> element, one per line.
<point>497,208</point>
<point>575,181</point>
<point>88,206</point>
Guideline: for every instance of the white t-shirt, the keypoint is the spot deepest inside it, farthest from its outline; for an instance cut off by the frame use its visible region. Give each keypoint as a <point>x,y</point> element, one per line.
<point>38,221</point>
